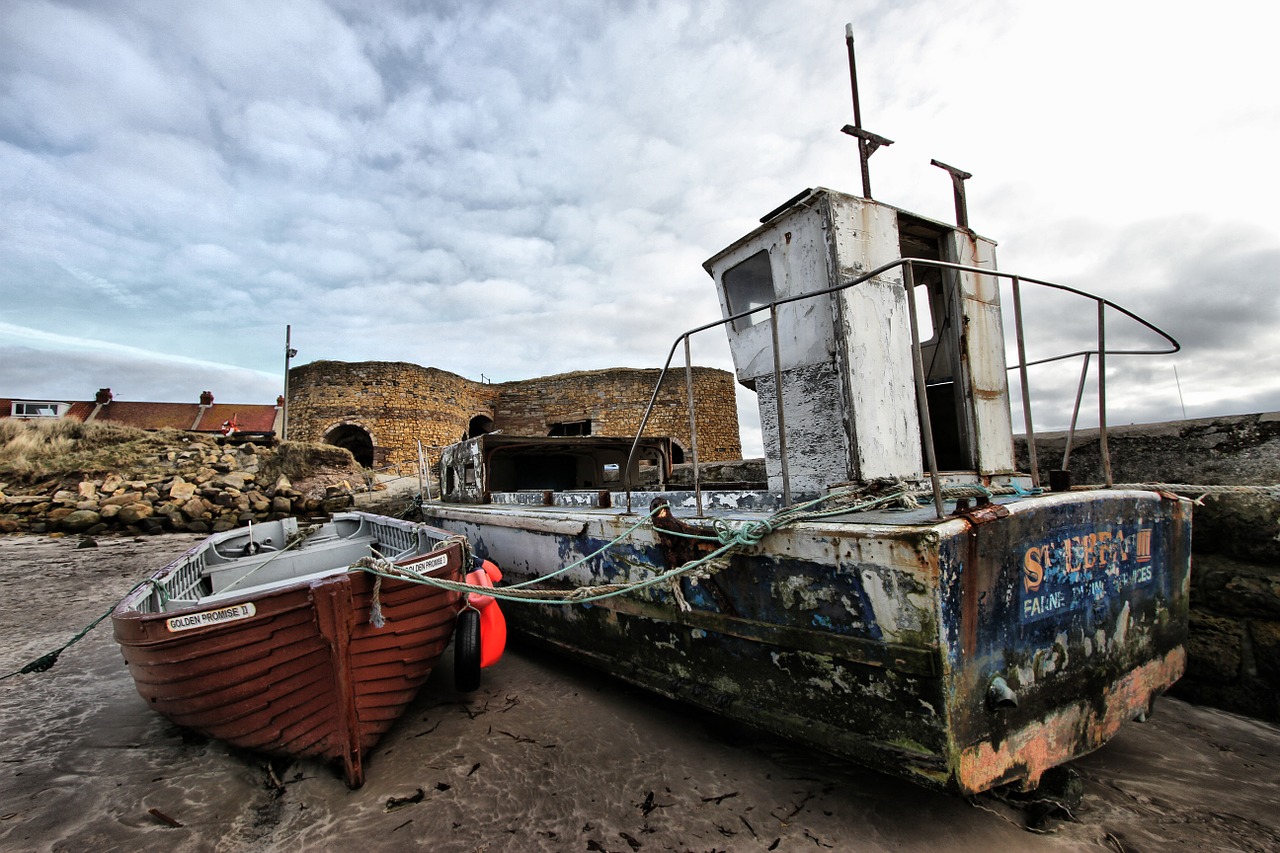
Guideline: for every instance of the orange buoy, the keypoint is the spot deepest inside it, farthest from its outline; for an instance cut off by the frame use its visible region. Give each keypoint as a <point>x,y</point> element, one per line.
<point>493,624</point>
<point>493,635</point>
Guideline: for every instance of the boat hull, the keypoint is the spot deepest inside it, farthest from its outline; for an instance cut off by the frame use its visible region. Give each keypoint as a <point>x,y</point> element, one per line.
<point>299,670</point>
<point>881,642</point>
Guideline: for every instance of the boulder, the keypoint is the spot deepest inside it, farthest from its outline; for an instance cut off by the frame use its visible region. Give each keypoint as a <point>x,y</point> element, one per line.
<point>123,498</point>
<point>195,508</point>
<point>134,512</point>
<point>81,519</point>
<point>235,480</point>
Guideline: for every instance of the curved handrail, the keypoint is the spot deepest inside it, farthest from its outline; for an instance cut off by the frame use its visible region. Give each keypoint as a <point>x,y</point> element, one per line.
<point>907,263</point>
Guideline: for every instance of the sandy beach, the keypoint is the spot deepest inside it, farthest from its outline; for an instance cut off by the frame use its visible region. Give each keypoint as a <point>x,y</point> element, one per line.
<point>544,756</point>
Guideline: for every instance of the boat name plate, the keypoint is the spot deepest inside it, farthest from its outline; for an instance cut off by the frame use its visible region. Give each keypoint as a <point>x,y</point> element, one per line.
<point>188,621</point>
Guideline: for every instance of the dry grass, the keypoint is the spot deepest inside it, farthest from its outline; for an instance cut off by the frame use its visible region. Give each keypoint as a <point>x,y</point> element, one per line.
<point>34,450</point>
<point>297,460</point>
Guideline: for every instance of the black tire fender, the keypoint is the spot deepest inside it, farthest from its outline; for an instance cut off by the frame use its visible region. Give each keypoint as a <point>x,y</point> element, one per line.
<point>466,651</point>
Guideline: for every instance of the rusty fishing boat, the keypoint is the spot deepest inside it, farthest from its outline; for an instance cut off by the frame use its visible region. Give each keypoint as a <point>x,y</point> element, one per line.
<point>275,638</point>
<point>899,593</point>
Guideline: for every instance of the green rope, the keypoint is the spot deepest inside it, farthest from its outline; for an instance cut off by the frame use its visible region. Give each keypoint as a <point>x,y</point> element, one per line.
<point>745,535</point>
<point>605,547</point>
<point>45,662</point>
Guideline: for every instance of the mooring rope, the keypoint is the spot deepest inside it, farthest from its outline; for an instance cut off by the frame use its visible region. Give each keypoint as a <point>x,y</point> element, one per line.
<point>745,535</point>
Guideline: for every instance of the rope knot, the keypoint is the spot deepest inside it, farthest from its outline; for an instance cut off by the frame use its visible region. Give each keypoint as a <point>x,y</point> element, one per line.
<point>749,533</point>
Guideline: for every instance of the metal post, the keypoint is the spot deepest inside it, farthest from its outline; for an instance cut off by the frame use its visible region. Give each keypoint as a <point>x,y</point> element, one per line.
<point>424,476</point>
<point>922,395</point>
<point>1102,394</point>
<point>857,112</point>
<point>868,142</point>
<point>289,352</point>
<point>1075,413</point>
<point>958,177</point>
<point>693,427</point>
<point>1022,375</point>
<point>777,396</point>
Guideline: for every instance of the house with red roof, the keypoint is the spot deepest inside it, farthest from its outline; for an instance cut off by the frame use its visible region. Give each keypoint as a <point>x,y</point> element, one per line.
<point>232,419</point>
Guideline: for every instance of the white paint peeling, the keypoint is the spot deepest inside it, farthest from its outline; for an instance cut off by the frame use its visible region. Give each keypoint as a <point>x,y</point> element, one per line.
<point>798,592</point>
<point>1122,626</point>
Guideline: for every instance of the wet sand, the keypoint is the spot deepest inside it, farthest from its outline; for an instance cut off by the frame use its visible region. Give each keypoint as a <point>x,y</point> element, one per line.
<point>545,756</point>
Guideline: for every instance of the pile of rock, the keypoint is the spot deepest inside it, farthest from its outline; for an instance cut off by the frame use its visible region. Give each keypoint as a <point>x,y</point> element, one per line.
<point>197,488</point>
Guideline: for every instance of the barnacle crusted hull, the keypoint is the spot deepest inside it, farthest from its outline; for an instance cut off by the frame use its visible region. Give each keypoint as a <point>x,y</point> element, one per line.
<point>883,636</point>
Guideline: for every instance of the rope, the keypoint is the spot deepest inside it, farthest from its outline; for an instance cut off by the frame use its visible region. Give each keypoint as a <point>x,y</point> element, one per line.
<point>729,538</point>
<point>605,547</point>
<point>748,534</point>
<point>45,662</point>
<point>375,609</point>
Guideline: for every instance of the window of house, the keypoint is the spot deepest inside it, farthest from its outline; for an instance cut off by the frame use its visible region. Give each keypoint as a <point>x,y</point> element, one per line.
<point>34,409</point>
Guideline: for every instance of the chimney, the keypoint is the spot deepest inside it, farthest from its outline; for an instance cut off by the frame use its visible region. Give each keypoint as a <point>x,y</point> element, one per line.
<point>102,397</point>
<point>206,398</point>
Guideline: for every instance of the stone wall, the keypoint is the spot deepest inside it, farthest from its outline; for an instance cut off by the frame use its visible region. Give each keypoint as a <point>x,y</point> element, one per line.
<point>194,487</point>
<point>398,404</point>
<point>613,402</point>
<point>1235,450</point>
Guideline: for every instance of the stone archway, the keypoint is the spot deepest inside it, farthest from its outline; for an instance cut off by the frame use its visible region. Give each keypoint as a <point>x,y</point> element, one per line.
<point>355,439</point>
<point>479,425</point>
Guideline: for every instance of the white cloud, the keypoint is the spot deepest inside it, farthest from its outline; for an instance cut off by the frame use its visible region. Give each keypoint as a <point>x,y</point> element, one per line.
<point>521,189</point>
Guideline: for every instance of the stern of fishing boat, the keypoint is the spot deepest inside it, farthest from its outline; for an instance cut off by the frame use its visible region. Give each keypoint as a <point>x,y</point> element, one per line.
<point>1063,617</point>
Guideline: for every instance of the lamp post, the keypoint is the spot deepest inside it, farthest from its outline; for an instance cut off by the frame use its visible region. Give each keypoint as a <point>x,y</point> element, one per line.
<point>289,352</point>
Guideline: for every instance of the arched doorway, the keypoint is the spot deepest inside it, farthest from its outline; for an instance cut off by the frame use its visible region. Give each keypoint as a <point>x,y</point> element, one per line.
<point>355,439</point>
<point>479,425</point>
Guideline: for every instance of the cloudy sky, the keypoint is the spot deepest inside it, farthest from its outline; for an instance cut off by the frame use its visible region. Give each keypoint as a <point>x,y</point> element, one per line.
<point>508,189</point>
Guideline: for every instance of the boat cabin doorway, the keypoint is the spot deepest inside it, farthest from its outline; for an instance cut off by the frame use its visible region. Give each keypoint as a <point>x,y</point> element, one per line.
<point>941,324</point>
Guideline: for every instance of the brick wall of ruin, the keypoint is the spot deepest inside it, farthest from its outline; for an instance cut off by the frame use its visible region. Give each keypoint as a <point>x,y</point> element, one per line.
<point>399,404</point>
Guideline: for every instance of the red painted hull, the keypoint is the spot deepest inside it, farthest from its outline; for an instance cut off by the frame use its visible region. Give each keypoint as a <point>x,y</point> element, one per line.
<point>307,674</point>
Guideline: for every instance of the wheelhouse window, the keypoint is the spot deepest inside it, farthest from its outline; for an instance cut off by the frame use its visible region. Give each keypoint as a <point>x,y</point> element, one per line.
<point>749,285</point>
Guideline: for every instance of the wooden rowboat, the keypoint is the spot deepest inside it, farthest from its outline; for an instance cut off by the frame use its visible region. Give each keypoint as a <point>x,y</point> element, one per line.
<point>267,639</point>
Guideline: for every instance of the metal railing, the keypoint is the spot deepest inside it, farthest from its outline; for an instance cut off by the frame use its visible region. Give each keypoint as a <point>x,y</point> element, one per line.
<point>908,266</point>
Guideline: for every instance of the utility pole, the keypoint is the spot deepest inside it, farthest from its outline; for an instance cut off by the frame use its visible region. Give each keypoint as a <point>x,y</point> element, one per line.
<point>289,352</point>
